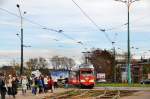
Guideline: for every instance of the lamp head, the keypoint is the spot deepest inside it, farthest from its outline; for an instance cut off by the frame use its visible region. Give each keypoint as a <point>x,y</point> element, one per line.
<point>113,42</point>
<point>60,31</point>
<point>24,12</point>
<point>18,5</point>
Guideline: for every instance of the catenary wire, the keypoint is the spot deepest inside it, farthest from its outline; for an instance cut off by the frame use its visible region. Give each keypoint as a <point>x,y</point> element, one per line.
<point>43,27</point>
<point>93,22</point>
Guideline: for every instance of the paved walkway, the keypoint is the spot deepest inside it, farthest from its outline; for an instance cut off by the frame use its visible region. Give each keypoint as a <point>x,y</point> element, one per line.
<point>29,95</point>
<point>145,94</point>
<point>139,95</point>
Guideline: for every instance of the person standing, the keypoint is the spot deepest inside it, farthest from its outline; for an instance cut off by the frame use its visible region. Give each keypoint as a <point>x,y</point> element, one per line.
<point>24,85</point>
<point>9,85</point>
<point>34,85</point>
<point>45,84</point>
<point>50,84</point>
<point>2,87</point>
<point>29,83</point>
<point>55,82</point>
<point>40,85</point>
<point>14,86</point>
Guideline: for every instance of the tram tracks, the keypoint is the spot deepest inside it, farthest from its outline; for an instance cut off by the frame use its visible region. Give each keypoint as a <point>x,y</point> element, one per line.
<point>91,94</point>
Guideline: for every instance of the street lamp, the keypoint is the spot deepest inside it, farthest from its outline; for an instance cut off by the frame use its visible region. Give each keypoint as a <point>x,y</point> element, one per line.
<point>128,3</point>
<point>23,44</point>
<point>114,62</point>
<point>21,28</point>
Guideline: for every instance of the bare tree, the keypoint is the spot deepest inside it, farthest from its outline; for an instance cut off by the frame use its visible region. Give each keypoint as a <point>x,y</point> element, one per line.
<point>42,63</point>
<point>55,62</point>
<point>62,63</point>
<point>36,63</point>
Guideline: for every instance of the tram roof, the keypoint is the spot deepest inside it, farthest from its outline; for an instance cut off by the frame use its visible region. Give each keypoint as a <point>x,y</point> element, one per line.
<point>86,66</point>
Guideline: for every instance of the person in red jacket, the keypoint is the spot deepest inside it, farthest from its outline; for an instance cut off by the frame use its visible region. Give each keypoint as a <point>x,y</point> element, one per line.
<point>50,84</point>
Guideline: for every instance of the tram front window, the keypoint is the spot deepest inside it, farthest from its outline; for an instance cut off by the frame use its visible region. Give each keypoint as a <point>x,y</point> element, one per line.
<point>86,73</point>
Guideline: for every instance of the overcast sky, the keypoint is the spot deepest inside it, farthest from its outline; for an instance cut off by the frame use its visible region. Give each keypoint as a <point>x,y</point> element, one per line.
<point>65,15</point>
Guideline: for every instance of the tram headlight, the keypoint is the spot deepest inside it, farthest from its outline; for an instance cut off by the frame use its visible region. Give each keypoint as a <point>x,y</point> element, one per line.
<point>73,81</point>
<point>82,80</point>
<point>91,80</point>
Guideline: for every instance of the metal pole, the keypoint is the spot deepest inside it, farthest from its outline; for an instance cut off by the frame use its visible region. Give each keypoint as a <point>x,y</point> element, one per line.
<point>128,42</point>
<point>21,68</point>
<point>114,64</point>
<point>128,2</point>
<point>21,22</point>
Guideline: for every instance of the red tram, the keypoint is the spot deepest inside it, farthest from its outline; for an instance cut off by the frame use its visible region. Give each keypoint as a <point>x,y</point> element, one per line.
<point>83,77</point>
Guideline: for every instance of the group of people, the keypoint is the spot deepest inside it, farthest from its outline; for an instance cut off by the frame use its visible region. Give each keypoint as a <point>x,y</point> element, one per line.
<point>43,84</point>
<point>10,84</point>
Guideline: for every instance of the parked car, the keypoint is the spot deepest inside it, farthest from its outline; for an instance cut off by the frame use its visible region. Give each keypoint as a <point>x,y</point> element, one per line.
<point>147,81</point>
<point>101,81</point>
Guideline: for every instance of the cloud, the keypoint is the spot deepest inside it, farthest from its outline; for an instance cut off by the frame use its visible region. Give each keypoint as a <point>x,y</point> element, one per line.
<point>63,14</point>
<point>2,2</point>
<point>10,55</point>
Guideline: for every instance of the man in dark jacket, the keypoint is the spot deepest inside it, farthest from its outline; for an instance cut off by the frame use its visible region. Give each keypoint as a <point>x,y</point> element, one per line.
<point>2,87</point>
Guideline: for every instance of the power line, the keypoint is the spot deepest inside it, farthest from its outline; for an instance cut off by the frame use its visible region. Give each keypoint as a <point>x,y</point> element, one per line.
<point>43,27</point>
<point>67,36</point>
<point>30,21</point>
<point>115,27</point>
<point>9,12</point>
<point>92,21</point>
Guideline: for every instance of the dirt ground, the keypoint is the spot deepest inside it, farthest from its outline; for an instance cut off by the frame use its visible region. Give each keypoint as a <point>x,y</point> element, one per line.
<point>62,93</point>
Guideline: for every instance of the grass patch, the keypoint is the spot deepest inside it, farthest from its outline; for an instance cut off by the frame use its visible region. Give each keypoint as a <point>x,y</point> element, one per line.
<point>121,85</point>
<point>63,93</point>
<point>95,93</point>
<point>69,94</point>
<point>73,93</point>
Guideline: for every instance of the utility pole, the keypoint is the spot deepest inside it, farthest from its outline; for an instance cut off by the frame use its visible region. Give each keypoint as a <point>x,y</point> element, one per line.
<point>128,3</point>
<point>114,62</point>
<point>21,21</point>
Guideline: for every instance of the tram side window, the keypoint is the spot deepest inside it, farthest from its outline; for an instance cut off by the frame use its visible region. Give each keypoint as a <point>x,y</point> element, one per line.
<point>73,74</point>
